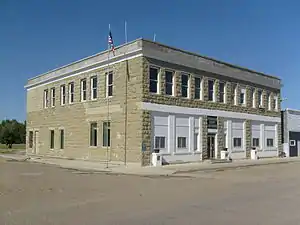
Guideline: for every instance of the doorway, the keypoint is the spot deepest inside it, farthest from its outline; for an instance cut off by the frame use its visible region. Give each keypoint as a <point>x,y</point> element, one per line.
<point>211,144</point>
<point>36,143</point>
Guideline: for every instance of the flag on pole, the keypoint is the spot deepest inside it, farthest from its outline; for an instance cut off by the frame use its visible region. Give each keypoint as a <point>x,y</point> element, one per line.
<point>111,42</point>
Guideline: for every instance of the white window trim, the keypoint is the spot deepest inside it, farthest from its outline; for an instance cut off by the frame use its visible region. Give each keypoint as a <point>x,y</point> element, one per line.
<point>235,99</point>
<point>269,102</point>
<point>260,98</point>
<point>214,90</point>
<point>62,95</point>
<point>107,85</point>
<point>92,88</point>
<point>253,98</point>
<point>243,91</point>
<point>276,103</point>
<point>158,79</point>
<point>201,88</point>
<point>188,84</point>
<point>52,96</point>
<point>173,81</point>
<point>70,93</point>
<point>81,90</point>
<point>224,91</point>
<point>46,97</point>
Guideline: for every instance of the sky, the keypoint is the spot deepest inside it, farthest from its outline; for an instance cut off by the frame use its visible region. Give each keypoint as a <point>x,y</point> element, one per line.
<point>39,35</point>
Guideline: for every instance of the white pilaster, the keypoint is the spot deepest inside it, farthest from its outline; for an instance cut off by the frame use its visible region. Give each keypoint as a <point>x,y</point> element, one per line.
<point>171,134</point>
<point>229,135</point>
<point>262,137</point>
<point>191,133</point>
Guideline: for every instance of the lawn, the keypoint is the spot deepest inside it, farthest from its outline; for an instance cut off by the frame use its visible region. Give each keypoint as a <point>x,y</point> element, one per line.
<point>15,147</point>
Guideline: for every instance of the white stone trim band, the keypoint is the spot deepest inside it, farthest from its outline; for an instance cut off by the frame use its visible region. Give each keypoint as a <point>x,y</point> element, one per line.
<point>203,112</point>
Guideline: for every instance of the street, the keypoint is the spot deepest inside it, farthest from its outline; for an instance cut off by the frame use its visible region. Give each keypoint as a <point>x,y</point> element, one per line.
<point>36,194</point>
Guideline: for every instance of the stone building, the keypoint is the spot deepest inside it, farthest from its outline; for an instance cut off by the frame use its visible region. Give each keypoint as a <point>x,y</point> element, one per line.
<point>148,96</point>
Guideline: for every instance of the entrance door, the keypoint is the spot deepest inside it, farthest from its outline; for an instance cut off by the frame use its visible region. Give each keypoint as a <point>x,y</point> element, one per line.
<point>36,142</point>
<point>294,143</point>
<point>211,146</point>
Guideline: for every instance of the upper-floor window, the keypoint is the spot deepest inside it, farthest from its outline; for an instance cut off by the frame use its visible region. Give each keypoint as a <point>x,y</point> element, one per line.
<point>52,91</point>
<point>46,98</point>
<point>153,86</point>
<point>71,92</point>
<point>253,97</point>
<point>198,84</point>
<point>260,98</point>
<point>269,102</point>
<point>109,84</point>
<point>185,85</point>
<point>169,77</point>
<point>235,97</point>
<point>222,92</point>
<point>62,95</point>
<point>243,97</point>
<point>275,100</point>
<point>83,89</point>
<point>93,87</point>
<point>211,87</point>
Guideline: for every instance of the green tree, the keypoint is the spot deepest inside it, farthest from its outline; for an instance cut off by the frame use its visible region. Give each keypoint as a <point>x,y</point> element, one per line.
<point>12,132</point>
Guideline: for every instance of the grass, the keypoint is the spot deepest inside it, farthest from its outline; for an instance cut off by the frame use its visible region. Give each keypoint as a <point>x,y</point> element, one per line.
<point>15,147</point>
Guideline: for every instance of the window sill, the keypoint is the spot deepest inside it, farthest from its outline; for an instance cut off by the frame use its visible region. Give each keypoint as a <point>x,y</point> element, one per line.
<point>94,99</point>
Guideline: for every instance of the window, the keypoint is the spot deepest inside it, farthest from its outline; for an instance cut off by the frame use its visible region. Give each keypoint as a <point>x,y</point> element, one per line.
<point>275,102</point>
<point>62,139</point>
<point>181,142</point>
<point>198,88</point>
<point>153,88</point>
<point>46,98</point>
<point>160,142</point>
<point>51,139</point>
<point>222,92</point>
<point>30,139</point>
<point>211,90</point>
<point>83,90</point>
<point>109,84</point>
<point>243,97</point>
<point>185,85</point>
<point>106,134</point>
<point>169,82</point>
<point>93,88</point>
<point>269,102</point>
<point>237,142</point>
<point>52,91</point>
<point>235,94</point>
<point>196,135</point>
<point>292,143</point>
<point>253,98</point>
<point>260,98</point>
<point>93,134</point>
<point>255,142</point>
<point>270,142</point>
<point>62,95</point>
<point>71,93</point>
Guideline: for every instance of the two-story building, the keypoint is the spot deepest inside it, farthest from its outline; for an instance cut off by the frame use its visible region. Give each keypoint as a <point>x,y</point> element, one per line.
<point>149,96</point>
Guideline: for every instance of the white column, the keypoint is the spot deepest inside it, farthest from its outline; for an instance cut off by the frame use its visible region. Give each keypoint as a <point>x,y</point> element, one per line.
<point>262,137</point>
<point>276,136</point>
<point>229,135</point>
<point>171,134</point>
<point>191,133</point>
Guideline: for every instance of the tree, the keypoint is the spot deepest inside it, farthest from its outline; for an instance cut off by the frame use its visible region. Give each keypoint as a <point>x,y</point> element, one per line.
<point>12,132</point>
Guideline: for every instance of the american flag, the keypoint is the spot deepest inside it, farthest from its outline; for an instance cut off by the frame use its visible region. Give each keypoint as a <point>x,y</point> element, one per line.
<point>111,42</point>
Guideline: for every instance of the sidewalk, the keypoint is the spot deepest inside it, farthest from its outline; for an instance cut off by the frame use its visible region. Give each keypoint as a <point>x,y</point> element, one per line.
<point>136,169</point>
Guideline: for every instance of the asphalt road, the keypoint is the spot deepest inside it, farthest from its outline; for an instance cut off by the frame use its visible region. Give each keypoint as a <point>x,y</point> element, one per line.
<point>39,194</point>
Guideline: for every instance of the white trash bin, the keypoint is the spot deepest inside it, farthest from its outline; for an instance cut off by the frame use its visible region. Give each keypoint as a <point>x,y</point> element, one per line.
<point>253,154</point>
<point>156,159</point>
<point>224,154</point>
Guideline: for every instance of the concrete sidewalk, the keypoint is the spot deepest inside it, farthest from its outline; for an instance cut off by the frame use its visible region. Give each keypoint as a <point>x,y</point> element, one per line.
<point>136,169</point>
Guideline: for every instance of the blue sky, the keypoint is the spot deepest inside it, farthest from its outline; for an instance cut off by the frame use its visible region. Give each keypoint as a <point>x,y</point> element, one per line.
<point>39,35</point>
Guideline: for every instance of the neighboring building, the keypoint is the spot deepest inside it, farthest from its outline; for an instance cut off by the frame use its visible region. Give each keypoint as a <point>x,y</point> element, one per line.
<point>291,130</point>
<point>189,106</point>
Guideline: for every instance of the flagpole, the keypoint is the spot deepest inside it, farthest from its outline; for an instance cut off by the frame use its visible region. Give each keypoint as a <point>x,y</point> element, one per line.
<point>126,100</point>
<point>106,90</point>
